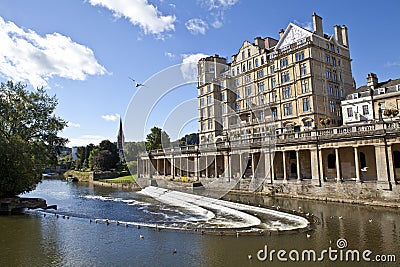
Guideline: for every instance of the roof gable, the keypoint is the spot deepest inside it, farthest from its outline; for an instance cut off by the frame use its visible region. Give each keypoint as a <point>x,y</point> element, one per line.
<point>292,34</point>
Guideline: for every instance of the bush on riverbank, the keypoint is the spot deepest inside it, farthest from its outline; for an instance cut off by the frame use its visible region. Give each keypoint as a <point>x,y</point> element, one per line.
<point>82,176</point>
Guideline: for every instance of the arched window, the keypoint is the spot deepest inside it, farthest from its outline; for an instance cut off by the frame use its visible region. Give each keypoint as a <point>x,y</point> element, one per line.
<point>363,161</point>
<point>396,159</point>
<point>331,161</point>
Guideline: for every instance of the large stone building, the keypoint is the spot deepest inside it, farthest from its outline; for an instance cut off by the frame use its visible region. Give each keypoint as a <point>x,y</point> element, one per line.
<point>272,118</point>
<point>296,82</point>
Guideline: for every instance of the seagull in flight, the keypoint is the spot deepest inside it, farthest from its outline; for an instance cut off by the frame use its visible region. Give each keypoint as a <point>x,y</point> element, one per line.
<point>136,83</point>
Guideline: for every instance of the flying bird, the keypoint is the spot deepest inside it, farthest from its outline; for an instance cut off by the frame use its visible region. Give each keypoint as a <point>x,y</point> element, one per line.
<point>136,83</point>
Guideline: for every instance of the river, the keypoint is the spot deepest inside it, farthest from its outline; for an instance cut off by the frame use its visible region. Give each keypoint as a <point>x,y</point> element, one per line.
<point>70,236</point>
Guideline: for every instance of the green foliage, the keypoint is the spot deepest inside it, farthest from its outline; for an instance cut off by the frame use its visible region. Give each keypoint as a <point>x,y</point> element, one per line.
<point>93,154</point>
<point>105,160</point>
<point>132,150</point>
<point>189,139</point>
<point>28,137</point>
<point>157,139</point>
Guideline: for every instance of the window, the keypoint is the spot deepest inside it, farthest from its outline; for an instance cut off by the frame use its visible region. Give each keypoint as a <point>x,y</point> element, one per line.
<point>261,116</point>
<point>287,109</point>
<point>248,103</point>
<point>209,100</point>
<point>212,69</point>
<point>201,90</point>
<point>223,98</point>
<point>338,62</point>
<point>237,106</point>
<point>208,88</point>
<point>260,73</point>
<point>274,112</point>
<point>273,82</point>
<point>201,102</point>
<point>327,46</point>
<point>304,87</point>
<point>332,47</point>
<point>260,87</point>
<point>262,60</point>
<point>244,68</point>
<point>330,89</point>
<point>247,78</point>
<point>274,97</point>
<point>209,124</point>
<point>202,112</point>
<point>286,92</point>
<point>233,72</point>
<point>243,57</point>
<point>224,108</point>
<point>349,112</point>
<point>332,106</point>
<point>248,90</point>
<point>328,58</point>
<point>210,112</point>
<point>328,73</point>
<point>285,76</point>
<point>331,161</point>
<point>334,76</point>
<point>237,70</point>
<point>272,69</point>
<point>237,93</point>
<point>284,62</point>
<point>336,92</point>
<point>261,100</point>
<point>334,61</point>
<point>365,109</point>
<point>248,52</point>
<point>300,56</point>
<point>306,104</point>
<point>250,65</point>
<point>341,92</point>
<point>237,82</point>
<point>303,69</point>
<point>256,62</point>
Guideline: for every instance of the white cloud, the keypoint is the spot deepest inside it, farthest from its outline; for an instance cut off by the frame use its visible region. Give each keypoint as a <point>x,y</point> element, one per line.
<point>27,56</point>
<point>215,4</point>
<point>392,64</point>
<point>196,26</point>
<point>189,65</point>
<point>85,140</point>
<point>217,10</point>
<point>111,117</point>
<point>141,13</point>
<point>169,55</point>
<point>72,124</point>
<point>306,25</point>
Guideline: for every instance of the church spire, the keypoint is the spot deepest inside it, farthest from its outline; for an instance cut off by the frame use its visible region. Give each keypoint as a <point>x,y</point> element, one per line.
<point>121,140</point>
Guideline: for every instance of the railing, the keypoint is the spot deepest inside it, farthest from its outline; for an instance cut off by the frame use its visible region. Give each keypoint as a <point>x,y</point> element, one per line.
<point>363,130</point>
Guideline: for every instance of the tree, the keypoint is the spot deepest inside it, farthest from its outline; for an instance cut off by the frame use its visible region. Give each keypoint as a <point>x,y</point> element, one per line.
<point>157,139</point>
<point>132,150</point>
<point>105,160</point>
<point>189,139</point>
<point>28,137</point>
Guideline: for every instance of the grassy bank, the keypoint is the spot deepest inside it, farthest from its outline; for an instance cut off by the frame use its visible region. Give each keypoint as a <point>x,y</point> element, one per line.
<point>82,176</point>
<point>127,179</point>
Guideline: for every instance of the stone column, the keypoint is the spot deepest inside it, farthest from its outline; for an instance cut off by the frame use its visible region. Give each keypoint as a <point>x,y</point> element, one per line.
<point>216,166</point>
<point>196,167</point>
<point>165,168</point>
<point>381,166</point>
<point>187,167</point>
<point>314,167</point>
<point>357,164</point>
<point>206,166</point>
<point>338,169</point>
<point>391,165</point>
<point>321,165</point>
<point>298,166</point>
<point>240,165</point>
<point>252,166</point>
<point>284,166</point>
<point>173,167</point>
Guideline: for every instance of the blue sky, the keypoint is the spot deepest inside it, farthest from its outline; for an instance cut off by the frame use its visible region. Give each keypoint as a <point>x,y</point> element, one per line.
<point>84,50</point>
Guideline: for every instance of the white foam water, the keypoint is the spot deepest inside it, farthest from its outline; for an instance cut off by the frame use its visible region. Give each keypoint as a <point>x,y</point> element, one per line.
<point>245,216</point>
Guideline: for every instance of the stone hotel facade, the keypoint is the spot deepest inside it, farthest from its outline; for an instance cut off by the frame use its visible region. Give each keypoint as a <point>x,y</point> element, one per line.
<point>275,113</point>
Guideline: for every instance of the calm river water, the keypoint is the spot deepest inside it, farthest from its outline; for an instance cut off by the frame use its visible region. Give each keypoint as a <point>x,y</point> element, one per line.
<point>44,239</point>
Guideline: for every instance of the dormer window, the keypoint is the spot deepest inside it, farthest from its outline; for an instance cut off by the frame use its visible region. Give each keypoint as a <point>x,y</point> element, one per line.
<point>381,91</point>
<point>355,95</point>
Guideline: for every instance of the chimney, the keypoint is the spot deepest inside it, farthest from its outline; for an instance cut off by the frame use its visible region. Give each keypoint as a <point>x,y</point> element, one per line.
<point>258,41</point>
<point>338,34</point>
<point>281,33</point>
<point>345,37</point>
<point>372,80</point>
<point>317,22</point>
